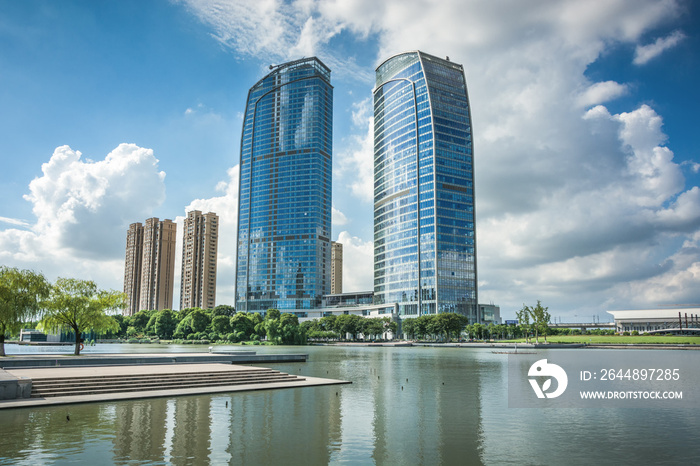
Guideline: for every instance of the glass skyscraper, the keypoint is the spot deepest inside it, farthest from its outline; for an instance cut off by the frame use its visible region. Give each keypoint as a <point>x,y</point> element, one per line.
<point>424,231</point>
<point>284,202</point>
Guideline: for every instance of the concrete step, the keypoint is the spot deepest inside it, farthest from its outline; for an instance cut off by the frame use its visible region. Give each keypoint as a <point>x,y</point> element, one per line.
<point>42,388</point>
<point>137,377</point>
<point>151,387</point>
<point>38,382</point>
<point>128,386</point>
<point>183,379</point>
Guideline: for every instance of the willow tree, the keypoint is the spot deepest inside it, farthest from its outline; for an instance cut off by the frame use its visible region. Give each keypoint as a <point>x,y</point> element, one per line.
<point>79,306</point>
<point>21,293</point>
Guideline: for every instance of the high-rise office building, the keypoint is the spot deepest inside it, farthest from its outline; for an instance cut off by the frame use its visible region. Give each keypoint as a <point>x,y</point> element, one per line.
<point>284,202</point>
<point>200,238</point>
<point>424,230</point>
<point>336,267</point>
<point>149,268</point>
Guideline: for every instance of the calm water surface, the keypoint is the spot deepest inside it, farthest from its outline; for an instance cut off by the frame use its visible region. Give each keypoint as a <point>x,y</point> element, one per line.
<point>405,406</point>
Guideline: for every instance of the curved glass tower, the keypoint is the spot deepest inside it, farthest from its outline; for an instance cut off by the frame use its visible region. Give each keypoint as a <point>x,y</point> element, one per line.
<point>284,201</point>
<point>424,230</point>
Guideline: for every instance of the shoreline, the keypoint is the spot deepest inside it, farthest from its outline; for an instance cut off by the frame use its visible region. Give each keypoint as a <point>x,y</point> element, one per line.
<point>488,345</point>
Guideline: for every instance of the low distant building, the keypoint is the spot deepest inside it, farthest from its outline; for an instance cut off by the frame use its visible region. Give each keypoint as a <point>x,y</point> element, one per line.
<point>33,335</point>
<point>657,320</point>
<point>490,314</point>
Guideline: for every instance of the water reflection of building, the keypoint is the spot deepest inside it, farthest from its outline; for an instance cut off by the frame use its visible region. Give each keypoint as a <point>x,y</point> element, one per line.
<point>139,429</point>
<point>427,409</point>
<point>229,428</point>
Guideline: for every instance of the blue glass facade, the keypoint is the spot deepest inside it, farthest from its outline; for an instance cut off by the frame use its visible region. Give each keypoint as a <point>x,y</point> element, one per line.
<point>284,203</point>
<point>424,230</point>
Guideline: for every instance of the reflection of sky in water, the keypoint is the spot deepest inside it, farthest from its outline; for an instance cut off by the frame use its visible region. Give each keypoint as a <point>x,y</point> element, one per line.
<point>405,406</point>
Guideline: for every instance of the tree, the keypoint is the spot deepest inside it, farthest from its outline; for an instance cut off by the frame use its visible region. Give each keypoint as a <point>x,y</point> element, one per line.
<point>408,327</point>
<point>199,320</point>
<point>223,310</point>
<point>272,314</point>
<point>348,323</point>
<point>221,324</point>
<point>478,330</point>
<point>390,326</point>
<point>21,293</point>
<point>79,306</point>
<point>123,322</point>
<point>165,324</point>
<point>183,328</point>
<point>540,319</point>
<point>290,330</point>
<point>523,316</point>
<point>272,324</point>
<point>242,324</point>
<point>372,327</point>
<point>140,320</point>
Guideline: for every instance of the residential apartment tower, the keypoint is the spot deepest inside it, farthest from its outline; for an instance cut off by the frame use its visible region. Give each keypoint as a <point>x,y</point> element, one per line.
<point>148,282</point>
<point>200,238</point>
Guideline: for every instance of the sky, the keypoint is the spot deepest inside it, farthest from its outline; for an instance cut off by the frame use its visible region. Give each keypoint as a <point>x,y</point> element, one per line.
<point>585,134</point>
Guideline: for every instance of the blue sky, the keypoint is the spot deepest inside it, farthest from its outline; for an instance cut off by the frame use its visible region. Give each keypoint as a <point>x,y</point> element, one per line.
<point>587,167</point>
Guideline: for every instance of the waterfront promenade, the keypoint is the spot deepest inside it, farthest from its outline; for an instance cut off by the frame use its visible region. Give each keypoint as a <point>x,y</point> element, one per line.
<point>41,380</point>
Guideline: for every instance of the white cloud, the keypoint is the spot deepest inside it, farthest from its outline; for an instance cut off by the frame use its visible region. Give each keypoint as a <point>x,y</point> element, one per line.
<point>599,93</point>
<point>83,210</point>
<point>278,31</point>
<point>645,53</point>
<point>573,208</point>
<point>355,162</point>
<point>14,221</point>
<point>338,218</point>
<point>358,263</point>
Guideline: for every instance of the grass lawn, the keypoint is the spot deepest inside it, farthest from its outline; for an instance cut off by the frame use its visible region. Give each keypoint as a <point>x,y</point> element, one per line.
<point>620,339</point>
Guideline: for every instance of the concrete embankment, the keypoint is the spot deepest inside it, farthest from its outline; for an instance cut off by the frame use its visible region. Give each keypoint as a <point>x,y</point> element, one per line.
<point>59,379</point>
<point>65,360</point>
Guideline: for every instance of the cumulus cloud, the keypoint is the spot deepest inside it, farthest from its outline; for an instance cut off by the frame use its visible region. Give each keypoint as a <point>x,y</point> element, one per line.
<point>575,205</point>
<point>599,93</point>
<point>358,263</point>
<point>645,53</point>
<point>355,162</point>
<point>83,209</point>
<point>338,218</point>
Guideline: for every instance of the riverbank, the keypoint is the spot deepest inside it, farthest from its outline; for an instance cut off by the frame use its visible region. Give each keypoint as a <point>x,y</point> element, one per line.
<point>515,346</point>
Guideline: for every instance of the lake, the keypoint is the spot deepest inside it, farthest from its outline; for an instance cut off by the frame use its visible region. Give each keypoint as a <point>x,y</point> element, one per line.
<point>408,405</point>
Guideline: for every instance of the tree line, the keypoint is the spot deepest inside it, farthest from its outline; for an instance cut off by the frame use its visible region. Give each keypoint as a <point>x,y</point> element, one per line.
<point>222,323</point>
<point>335,327</point>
